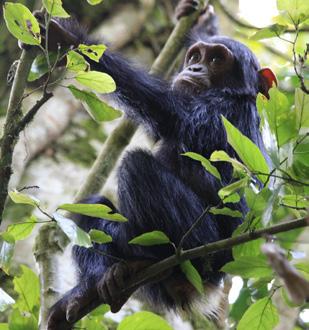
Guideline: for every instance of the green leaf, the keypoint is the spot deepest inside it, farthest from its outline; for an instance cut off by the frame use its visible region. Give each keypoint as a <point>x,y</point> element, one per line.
<point>247,151</point>
<point>274,30</point>
<point>233,198</point>
<point>248,267</point>
<point>39,66</point>
<point>98,81</point>
<point>54,8</point>
<point>94,52</point>
<point>262,315</point>
<point>303,268</point>
<point>205,162</point>
<point>97,109</point>
<point>94,210</point>
<point>301,162</point>
<point>76,235</point>
<point>192,275</point>
<point>271,207</point>
<point>5,301</point>
<point>99,236</point>
<point>226,211</point>
<point>301,108</point>
<point>296,201</point>
<point>249,249</point>
<point>151,238</point>
<point>94,2</point>
<point>279,116</point>
<point>76,62</point>
<point>222,156</point>
<point>19,320</point>
<point>241,304</point>
<point>21,23</point>
<point>20,231</point>
<point>101,310</point>
<point>297,10</point>
<point>7,248</point>
<point>20,198</point>
<point>93,323</point>
<point>4,326</point>
<point>258,202</point>
<point>144,321</point>
<point>7,237</point>
<point>232,188</point>
<point>28,288</point>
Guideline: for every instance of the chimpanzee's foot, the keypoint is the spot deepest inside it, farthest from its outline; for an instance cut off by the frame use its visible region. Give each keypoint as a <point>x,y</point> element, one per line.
<point>73,306</point>
<point>115,281</point>
<point>186,7</point>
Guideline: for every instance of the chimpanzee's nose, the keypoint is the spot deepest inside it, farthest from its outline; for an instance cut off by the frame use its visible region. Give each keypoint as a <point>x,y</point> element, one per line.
<point>195,68</point>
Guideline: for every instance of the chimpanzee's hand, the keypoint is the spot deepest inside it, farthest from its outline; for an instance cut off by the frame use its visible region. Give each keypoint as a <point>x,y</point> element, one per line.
<point>186,7</point>
<point>59,33</point>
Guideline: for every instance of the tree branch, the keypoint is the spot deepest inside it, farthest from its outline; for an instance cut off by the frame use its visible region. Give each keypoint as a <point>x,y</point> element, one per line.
<point>105,162</point>
<point>145,276</point>
<point>13,116</point>
<point>48,243</point>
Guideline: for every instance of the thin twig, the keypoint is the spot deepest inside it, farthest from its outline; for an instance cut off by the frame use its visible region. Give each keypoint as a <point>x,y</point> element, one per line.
<point>32,112</point>
<point>298,72</point>
<point>290,179</point>
<point>14,114</point>
<point>193,226</point>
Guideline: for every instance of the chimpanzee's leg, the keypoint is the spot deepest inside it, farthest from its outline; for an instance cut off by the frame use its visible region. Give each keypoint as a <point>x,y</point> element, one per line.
<point>92,263</point>
<point>154,198</point>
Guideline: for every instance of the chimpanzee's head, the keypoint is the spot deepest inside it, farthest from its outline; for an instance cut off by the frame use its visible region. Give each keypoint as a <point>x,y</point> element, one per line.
<point>220,62</point>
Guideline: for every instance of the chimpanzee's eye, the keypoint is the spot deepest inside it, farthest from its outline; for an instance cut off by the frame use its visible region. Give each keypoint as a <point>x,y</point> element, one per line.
<point>216,59</point>
<point>195,57</point>
<point>217,56</point>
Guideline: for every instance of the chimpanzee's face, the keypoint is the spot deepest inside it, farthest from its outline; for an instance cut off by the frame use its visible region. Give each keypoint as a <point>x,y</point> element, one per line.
<point>206,65</point>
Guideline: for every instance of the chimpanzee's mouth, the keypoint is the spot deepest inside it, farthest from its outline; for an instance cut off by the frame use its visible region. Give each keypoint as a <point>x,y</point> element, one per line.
<point>189,83</point>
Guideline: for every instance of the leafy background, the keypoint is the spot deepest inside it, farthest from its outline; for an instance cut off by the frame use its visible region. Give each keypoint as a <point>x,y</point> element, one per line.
<point>59,147</point>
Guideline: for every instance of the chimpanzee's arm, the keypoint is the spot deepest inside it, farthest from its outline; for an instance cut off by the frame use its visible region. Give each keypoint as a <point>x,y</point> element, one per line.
<point>147,99</point>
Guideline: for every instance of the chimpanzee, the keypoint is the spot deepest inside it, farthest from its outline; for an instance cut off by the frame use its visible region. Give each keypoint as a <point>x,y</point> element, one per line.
<point>164,190</point>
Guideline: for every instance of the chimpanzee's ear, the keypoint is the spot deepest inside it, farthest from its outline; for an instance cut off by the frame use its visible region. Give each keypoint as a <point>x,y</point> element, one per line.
<point>267,80</point>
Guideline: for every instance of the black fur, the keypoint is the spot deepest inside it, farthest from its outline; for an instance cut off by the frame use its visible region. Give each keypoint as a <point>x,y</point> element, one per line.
<point>167,191</point>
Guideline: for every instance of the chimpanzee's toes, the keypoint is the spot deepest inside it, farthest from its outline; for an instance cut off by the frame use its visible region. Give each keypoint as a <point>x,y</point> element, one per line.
<point>57,317</point>
<point>186,7</point>
<point>74,305</point>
